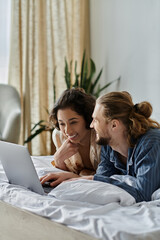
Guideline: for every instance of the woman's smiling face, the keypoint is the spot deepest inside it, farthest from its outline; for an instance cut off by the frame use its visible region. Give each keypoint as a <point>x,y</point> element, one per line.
<point>72,125</point>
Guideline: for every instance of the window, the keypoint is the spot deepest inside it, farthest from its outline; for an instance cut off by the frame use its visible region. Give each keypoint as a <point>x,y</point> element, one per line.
<point>5,17</point>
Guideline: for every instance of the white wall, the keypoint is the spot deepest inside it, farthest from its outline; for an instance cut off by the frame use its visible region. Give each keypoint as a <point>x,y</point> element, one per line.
<point>125,41</point>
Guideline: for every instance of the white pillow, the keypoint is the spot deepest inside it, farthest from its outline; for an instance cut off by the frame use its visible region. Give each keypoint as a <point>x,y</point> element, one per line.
<point>94,192</point>
<point>156,195</point>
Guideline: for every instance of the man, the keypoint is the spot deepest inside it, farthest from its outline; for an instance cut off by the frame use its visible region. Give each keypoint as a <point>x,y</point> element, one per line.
<point>130,156</point>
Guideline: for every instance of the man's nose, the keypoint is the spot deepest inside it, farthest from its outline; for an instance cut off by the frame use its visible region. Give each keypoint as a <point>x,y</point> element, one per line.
<point>91,125</point>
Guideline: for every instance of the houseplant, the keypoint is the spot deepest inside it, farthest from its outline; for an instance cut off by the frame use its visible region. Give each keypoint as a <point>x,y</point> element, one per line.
<point>85,79</point>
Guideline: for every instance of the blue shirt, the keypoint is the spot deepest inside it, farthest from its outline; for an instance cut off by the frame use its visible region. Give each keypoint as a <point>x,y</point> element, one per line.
<point>143,164</point>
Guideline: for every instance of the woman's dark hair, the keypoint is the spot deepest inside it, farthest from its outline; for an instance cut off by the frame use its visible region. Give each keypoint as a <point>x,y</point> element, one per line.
<point>77,100</point>
<point>135,117</point>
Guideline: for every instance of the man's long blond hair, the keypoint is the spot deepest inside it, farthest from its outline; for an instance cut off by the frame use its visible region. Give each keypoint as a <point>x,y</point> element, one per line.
<point>135,117</point>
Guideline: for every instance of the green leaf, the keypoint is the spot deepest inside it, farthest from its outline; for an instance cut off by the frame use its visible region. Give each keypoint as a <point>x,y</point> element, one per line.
<point>85,73</point>
<point>96,81</point>
<point>96,94</point>
<point>37,124</point>
<point>67,75</point>
<point>108,84</point>
<point>35,134</point>
<point>76,83</point>
<point>54,85</point>
<point>105,86</point>
<point>82,68</point>
<point>89,79</point>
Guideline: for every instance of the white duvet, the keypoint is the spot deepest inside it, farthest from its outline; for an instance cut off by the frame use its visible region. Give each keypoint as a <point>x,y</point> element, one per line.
<point>96,208</point>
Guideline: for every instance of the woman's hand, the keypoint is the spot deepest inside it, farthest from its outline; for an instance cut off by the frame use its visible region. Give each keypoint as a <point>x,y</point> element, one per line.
<point>67,150</point>
<point>57,178</point>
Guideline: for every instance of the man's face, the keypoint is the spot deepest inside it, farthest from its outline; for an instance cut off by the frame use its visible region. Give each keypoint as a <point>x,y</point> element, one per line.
<point>102,128</point>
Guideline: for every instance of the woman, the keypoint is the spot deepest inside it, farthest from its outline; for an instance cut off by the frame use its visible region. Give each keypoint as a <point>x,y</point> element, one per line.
<point>77,151</point>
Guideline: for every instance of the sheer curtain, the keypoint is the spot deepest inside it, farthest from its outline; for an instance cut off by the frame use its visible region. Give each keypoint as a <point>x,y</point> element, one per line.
<point>42,34</point>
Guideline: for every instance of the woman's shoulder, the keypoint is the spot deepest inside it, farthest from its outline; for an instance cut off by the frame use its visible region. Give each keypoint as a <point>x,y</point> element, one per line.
<point>93,137</point>
<point>95,150</point>
<point>57,138</point>
<point>93,134</point>
<point>56,133</point>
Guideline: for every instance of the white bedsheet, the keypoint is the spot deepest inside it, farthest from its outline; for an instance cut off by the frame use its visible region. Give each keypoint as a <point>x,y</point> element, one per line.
<point>96,208</point>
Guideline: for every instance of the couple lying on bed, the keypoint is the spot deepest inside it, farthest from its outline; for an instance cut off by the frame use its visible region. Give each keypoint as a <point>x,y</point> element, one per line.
<point>130,142</point>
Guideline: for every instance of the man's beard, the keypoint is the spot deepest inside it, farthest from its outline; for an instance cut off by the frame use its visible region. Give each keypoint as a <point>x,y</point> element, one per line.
<point>103,141</point>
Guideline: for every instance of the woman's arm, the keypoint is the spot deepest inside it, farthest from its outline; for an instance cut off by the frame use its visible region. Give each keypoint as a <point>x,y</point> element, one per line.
<point>66,150</point>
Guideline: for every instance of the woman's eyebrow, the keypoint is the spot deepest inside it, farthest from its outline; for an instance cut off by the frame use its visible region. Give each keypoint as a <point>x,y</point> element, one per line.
<point>74,118</point>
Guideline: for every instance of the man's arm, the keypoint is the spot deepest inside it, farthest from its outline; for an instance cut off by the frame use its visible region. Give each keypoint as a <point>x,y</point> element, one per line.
<point>106,167</point>
<point>146,170</point>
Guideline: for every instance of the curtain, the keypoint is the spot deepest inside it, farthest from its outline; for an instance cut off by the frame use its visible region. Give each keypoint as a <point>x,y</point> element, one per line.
<point>43,33</point>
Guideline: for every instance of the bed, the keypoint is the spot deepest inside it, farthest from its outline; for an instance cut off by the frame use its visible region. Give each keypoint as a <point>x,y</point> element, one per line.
<point>75,210</point>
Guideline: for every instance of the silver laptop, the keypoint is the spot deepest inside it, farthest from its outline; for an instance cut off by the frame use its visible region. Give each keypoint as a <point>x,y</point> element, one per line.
<point>19,168</point>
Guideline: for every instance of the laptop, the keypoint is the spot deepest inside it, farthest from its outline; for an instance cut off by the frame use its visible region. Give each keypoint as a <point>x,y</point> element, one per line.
<point>19,168</point>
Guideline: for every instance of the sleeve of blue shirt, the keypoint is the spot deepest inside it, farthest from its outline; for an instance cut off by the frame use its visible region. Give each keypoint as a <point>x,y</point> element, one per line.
<point>146,169</point>
<point>147,165</point>
<point>106,167</point>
